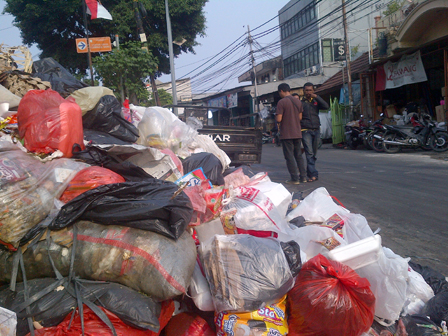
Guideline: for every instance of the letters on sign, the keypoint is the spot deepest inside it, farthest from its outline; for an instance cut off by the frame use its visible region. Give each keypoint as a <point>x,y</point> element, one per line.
<point>220,137</point>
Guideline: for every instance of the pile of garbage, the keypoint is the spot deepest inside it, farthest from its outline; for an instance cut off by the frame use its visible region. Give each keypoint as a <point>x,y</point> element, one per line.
<point>124,221</point>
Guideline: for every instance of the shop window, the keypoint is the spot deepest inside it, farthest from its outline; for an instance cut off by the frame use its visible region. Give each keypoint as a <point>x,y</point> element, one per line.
<point>327,51</point>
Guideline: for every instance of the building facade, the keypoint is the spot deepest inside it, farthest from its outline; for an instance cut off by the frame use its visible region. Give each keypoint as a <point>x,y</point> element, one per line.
<point>312,34</point>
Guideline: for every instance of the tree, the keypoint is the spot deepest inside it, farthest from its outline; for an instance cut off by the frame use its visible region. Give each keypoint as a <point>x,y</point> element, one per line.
<point>54,26</point>
<point>130,63</point>
<point>393,6</point>
<point>165,98</point>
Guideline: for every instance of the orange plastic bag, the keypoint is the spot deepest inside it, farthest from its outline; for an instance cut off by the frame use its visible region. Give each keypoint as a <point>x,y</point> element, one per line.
<point>89,178</point>
<point>329,299</point>
<point>185,324</point>
<point>47,122</point>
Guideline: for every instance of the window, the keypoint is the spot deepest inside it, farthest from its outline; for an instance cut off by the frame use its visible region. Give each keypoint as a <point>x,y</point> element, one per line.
<point>327,51</point>
<point>298,21</point>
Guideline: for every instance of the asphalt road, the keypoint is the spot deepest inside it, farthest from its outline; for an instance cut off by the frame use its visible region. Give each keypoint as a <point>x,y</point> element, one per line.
<point>405,194</point>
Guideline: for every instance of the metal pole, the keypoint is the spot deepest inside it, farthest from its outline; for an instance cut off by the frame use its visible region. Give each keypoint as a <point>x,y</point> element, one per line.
<point>117,39</point>
<point>89,55</point>
<point>170,47</point>
<point>347,58</point>
<point>253,69</point>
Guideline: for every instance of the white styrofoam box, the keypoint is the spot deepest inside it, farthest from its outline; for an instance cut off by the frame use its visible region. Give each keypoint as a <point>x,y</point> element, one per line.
<point>359,254</point>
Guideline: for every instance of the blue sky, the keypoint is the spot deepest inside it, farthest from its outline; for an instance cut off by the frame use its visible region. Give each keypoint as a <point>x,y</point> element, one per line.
<point>226,21</point>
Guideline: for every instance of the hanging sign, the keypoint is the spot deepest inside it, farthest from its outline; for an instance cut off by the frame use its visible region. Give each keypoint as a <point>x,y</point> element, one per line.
<point>97,44</point>
<point>232,100</point>
<point>409,69</point>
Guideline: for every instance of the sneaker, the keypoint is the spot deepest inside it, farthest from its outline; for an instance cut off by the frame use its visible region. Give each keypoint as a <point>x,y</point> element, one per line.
<point>303,180</point>
<point>293,182</point>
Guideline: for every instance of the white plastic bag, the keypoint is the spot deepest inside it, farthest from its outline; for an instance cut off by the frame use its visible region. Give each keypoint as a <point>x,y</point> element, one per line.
<point>277,193</point>
<point>255,211</point>
<point>200,290</point>
<point>355,227</point>
<point>388,281</point>
<point>317,207</point>
<point>88,97</point>
<point>203,143</point>
<point>153,129</point>
<point>417,294</point>
<point>8,322</point>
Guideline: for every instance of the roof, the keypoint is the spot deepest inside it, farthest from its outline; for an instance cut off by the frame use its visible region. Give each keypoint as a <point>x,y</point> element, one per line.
<point>359,65</point>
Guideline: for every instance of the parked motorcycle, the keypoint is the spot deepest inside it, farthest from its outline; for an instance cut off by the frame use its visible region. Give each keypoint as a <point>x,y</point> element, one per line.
<point>375,137</point>
<point>271,138</point>
<point>355,133</point>
<point>424,134</point>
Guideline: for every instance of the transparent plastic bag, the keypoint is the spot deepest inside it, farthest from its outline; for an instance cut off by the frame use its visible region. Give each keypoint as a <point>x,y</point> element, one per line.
<point>153,129</point>
<point>200,290</point>
<point>48,122</point>
<point>255,211</point>
<point>417,294</point>
<point>142,260</point>
<point>245,273</point>
<point>236,179</point>
<point>8,322</point>
<point>28,190</point>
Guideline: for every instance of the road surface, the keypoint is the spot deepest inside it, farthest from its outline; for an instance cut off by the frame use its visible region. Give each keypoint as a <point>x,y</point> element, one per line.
<point>405,194</point>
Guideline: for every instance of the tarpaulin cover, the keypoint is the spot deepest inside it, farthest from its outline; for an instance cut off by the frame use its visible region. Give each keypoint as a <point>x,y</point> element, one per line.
<point>48,122</point>
<point>210,164</point>
<point>142,260</point>
<point>329,299</point>
<point>87,179</point>
<point>187,324</point>
<point>106,117</point>
<point>132,307</point>
<point>60,79</point>
<point>148,205</point>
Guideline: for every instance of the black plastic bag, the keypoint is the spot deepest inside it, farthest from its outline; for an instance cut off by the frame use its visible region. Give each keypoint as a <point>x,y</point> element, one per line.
<point>246,170</point>
<point>97,157</point>
<point>106,117</point>
<point>292,253</point>
<point>437,307</point>
<point>152,205</point>
<point>210,164</point>
<point>420,325</point>
<point>101,138</point>
<point>432,277</point>
<point>133,308</point>
<point>60,79</point>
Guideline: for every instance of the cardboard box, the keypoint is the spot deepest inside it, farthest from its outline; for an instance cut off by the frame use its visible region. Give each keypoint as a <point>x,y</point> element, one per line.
<point>440,113</point>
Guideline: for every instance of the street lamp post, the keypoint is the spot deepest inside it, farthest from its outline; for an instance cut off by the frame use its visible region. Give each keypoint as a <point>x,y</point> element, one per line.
<point>170,48</point>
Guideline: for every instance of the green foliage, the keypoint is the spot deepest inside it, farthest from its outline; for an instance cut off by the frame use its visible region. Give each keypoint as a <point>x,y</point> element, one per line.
<point>354,51</point>
<point>393,6</point>
<point>54,25</point>
<point>132,64</point>
<point>165,98</point>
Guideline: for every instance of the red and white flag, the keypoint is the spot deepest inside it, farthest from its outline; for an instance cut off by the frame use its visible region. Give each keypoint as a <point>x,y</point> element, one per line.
<point>97,10</point>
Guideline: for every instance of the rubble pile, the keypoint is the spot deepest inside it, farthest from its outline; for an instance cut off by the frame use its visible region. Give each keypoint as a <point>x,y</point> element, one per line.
<point>125,221</point>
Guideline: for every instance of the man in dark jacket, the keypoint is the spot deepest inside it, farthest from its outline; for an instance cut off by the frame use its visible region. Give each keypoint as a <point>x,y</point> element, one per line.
<point>310,123</point>
<point>288,115</point>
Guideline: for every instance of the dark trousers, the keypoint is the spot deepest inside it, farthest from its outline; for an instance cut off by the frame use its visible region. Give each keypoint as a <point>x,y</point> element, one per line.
<point>310,143</point>
<point>294,161</point>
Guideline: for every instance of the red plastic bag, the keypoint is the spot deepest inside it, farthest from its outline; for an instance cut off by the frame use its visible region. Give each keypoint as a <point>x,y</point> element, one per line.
<point>93,326</point>
<point>330,299</point>
<point>48,122</point>
<point>185,324</point>
<point>89,178</point>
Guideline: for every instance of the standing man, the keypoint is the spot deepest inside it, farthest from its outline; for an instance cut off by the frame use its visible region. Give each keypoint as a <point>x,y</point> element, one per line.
<point>288,116</point>
<point>310,123</point>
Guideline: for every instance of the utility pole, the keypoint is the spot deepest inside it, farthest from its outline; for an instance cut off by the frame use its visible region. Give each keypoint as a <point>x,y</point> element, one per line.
<point>253,69</point>
<point>89,55</point>
<point>117,40</point>
<point>170,48</point>
<point>347,59</point>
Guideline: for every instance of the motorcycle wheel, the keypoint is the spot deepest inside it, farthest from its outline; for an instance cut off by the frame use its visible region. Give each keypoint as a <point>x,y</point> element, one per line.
<point>427,146</point>
<point>388,148</point>
<point>439,142</point>
<point>377,144</point>
<point>366,142</point>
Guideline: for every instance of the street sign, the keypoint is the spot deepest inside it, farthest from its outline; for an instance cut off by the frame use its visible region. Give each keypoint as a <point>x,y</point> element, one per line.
<point>97,44</point>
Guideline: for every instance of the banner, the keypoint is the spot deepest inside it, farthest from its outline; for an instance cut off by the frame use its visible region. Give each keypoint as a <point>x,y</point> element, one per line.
<point>409,69</point>
<point>218,102</point>
<point>232,100</point>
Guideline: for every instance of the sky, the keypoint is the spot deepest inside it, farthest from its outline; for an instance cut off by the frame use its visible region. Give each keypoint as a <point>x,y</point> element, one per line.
<point>227,20</point>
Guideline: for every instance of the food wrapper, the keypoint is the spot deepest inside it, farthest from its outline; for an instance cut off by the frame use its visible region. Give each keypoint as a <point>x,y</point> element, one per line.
<point>268,321</point>
<point>336,223</point>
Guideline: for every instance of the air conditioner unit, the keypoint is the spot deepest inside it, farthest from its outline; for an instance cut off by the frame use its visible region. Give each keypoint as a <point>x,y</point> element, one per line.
<point>313,70</point>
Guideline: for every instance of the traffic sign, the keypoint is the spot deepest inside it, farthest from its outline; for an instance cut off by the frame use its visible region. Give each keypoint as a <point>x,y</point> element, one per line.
<point>97,44</point>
